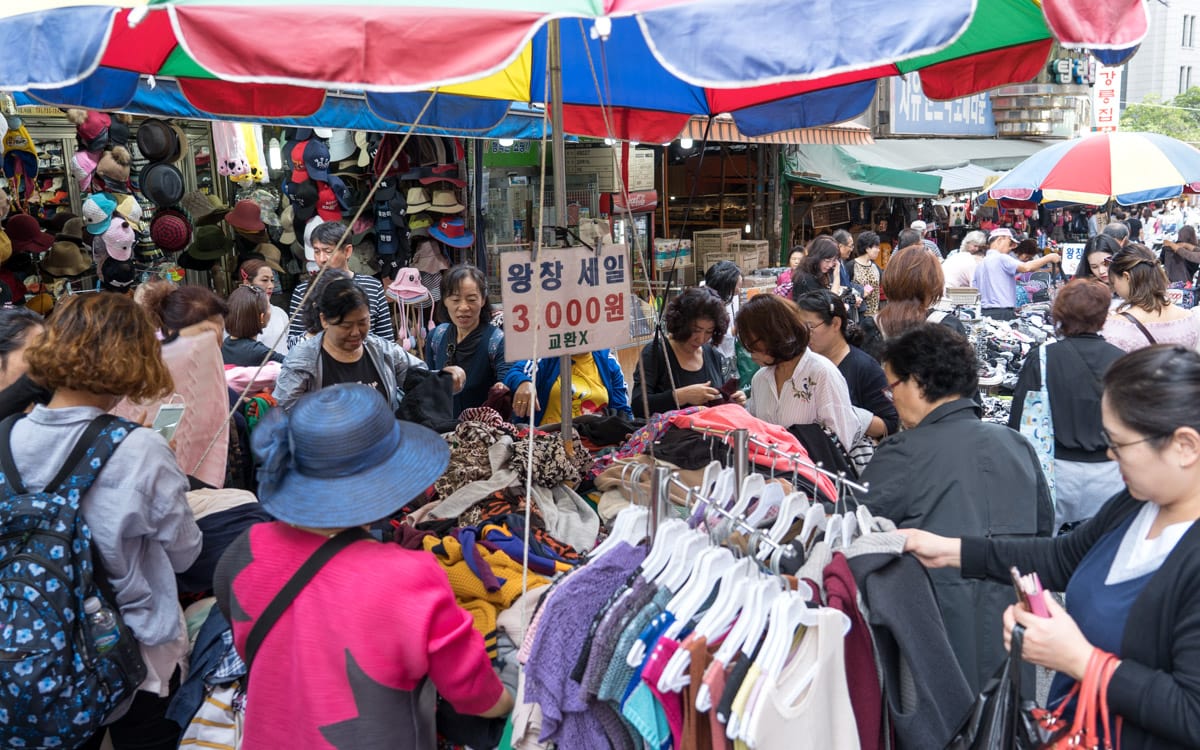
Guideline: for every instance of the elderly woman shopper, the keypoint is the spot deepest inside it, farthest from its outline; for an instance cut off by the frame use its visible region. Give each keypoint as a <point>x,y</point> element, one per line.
<point>795,385</point>
<point>97,350</point>
<point>344,352</point>
<point>469,341</point>
<point>684,368</point>
<point>1130,573</point>
<point>1075,365</point>
<point>366,678</point>
<point>833,336</point>
<point>864,260</point>
<point>951,473</point>
<point>1147,316</point>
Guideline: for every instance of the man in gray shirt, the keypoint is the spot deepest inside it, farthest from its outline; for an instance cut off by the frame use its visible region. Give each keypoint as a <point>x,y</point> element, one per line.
<point>996,276</point>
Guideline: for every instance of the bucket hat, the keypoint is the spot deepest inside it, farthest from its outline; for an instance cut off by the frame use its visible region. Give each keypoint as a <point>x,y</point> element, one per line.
<point>419,224</point>
<point>98,212</point>
<point>204,209</point>
<point>445,202</point>
<point>246,215</point>
<point>271,255</point>
<point>55,224</point>
<point>72,231</point>
<point>162,183</point>
<point>341,145</point>
<point>157,141</point>
<point>418,200</point>
<point>210,243</point>
<point>170,230</point>
<point>407,286</point>
<point>443,173</point>
<point>65,258</point>
<point>313,223</point>
<point>428,257</point>
<point>27,235</point>
<point>453,232</point>
<point>340,458</point>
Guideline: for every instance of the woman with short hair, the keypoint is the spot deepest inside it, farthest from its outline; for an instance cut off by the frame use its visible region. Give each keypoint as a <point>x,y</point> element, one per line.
<point>248,311</point>
<point>469,342</point>
<point>1075,367</point>
<point>913,284</point>
<point>1147,316</point>
<point>684,367</point>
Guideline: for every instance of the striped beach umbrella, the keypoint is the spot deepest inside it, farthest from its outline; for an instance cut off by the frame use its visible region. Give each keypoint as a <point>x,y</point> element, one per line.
<point>1127,168</point>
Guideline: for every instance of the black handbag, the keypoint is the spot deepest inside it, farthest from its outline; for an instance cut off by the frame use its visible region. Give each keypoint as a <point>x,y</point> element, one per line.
<point>1000,720</point>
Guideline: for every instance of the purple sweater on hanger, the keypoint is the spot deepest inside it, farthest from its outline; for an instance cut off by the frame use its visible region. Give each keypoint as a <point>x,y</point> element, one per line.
<point>564,625</point>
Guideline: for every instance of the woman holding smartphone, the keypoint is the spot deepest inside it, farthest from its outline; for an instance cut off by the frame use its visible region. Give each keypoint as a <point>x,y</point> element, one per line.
<point>1131,573</point>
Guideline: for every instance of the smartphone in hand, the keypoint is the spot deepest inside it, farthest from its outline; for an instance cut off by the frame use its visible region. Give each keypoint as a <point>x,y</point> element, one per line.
<point>167,420</point>
<point>1029,592</point>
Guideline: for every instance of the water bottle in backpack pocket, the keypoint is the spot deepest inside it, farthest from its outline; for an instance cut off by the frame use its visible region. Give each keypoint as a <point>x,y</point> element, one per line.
<point>63,680</point>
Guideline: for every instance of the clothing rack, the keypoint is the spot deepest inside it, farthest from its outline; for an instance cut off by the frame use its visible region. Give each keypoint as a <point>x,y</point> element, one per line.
<point>737,520</point>
<point>741,447</point>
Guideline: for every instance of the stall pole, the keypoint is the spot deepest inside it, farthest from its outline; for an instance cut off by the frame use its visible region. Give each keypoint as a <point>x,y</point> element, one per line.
<point>741,455</point>
<point>559,150</point>
<point>660,498</point>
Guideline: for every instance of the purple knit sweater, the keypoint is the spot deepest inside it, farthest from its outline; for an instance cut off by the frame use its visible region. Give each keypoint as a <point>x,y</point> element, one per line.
<point>556,646</point>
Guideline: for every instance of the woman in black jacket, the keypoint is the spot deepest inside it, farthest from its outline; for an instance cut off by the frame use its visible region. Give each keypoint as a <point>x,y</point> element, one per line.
<point>1132,573</point>
<point>1084,477</point>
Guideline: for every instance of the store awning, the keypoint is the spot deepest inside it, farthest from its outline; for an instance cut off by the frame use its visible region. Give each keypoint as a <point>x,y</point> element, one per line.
<point>834,168</point>
<point>965,179</point>
<point>724,130</point>
<point>928,154</point>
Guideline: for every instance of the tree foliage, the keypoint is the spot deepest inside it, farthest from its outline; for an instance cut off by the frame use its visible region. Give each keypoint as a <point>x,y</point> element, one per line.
<point>1180,118</point>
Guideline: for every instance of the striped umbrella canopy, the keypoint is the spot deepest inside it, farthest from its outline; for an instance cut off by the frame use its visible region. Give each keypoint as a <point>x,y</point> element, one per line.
<point>636,69</point>
<point>1127,168</point>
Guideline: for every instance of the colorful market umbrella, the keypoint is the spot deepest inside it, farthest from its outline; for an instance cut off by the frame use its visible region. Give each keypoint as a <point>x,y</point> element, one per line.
<point>652,63</point>
<point>1128,168</point>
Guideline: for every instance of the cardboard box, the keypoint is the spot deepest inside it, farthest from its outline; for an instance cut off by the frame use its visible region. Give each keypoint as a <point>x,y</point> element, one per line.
<point>759,250</point>
<point>604,162</point>
<point>708,244</point>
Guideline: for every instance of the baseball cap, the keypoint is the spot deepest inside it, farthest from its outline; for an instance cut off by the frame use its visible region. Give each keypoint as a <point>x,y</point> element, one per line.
<point>1002,232</point>
<point>316,160</point>
<point>919,225</point>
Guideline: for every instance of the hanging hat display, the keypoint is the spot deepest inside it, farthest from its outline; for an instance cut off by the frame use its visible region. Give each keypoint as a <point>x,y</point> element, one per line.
<point>27,235</point>
<point>271,255</point>
<point>157,141</point>
<point>209,243</point>
<point>162,184</point>
<point>130,210</point>
<point>72,230</point>
<point>247,216</point>
<point>428,256</point>
<point>170,230</point>
<point>453,232</point>
<point>418,200</point>
<point>91,128</point>
<point>204,209</point>
<point>117,275</point>
<point>20,161</point>
<point>118,240</point>
<point>341,145</point>
<point>419,224</point>
<point>445,202</point>
<point>388,145</point>
<point>444,173</point>
<point>113,167</point>
<point>316,160</point>
<point>98,211</point>
<point>303,196</point>
<point>328,207</point>
<point>83,169</point>
<point>287,221</point>
<point>310,254</point>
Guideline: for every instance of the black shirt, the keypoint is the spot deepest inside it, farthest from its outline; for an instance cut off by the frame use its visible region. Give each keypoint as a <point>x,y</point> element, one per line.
<point>866,381</point>
<point>658,382</point>
<point>363,371</point>
<point>1076,366</point>
<point>246,352</point>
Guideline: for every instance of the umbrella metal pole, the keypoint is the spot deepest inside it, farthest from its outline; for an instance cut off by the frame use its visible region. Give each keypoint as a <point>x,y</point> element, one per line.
<point>559,150</point>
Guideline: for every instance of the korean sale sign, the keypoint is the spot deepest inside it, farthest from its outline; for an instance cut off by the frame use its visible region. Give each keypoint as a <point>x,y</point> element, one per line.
<point>570,300</point>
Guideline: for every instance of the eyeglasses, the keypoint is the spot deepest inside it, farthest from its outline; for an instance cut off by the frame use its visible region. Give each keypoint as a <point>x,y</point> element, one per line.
<point>815,326</point>
<point>1116,447</point>
<point>889,390</point>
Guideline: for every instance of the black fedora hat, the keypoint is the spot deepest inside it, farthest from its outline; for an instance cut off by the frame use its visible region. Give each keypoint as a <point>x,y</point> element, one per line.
<point>158,141</point>
<point>162,184</point>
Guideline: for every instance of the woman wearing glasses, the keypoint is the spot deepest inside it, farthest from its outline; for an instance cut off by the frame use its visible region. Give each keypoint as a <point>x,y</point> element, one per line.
<point>1131,572</point>
<point>951,473</point>
<point>1083,476</point>
<point>1146,316</point>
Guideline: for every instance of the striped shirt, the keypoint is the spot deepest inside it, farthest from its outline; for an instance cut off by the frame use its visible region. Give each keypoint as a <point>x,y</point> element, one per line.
<point>381,314</point>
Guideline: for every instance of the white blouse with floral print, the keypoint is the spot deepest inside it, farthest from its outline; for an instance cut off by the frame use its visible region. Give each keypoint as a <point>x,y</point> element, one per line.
<point>816,393</point>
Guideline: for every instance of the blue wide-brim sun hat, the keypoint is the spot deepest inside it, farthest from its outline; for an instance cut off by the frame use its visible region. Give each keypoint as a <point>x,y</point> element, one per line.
<point>339,458</point>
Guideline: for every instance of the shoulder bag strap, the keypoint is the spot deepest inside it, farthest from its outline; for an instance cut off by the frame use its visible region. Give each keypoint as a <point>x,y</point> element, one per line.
<point>12,478</point>
<point>295,585</point>
<point>1129,316</point>
<point>78,453</point>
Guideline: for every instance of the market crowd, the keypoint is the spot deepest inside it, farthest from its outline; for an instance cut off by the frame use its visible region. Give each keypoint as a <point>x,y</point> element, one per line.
<point>339,508</point>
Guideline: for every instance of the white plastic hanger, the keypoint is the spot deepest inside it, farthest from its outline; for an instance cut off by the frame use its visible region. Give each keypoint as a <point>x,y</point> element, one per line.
<point>715,621</point>
<point>788,613</point>
<point>770,500</point>
<point>849,530</point>
<point>704,492</point>
<point>682,561</point>
<point>629,527</point>
<point>814,521</point>
<point>660,550</point>
<point>712,565</point>
<point>721,496</point>
<point>750,625</point>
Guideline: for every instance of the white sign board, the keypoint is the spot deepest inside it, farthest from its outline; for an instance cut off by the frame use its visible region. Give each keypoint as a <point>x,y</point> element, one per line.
<point>1072,256</point>
<point>574,299</point>
<point>1106,100</point>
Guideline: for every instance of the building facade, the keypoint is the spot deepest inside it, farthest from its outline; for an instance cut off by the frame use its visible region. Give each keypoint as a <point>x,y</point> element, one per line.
<point>1168,62</point>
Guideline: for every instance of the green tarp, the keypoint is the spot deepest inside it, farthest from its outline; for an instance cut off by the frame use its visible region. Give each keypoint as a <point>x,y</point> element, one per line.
<point>832,167</point>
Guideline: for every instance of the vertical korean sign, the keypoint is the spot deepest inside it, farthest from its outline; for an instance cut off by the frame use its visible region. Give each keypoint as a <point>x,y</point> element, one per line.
<point>1106,100</point>
<point>574,299</point>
